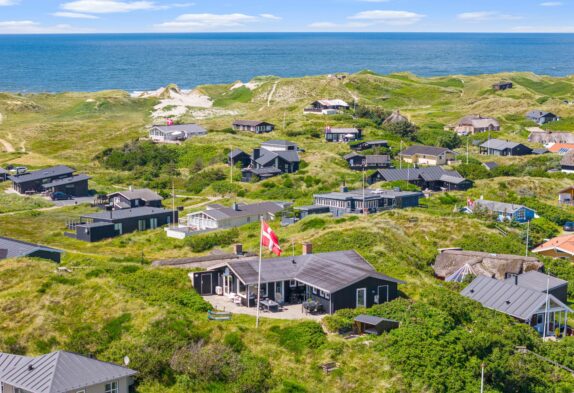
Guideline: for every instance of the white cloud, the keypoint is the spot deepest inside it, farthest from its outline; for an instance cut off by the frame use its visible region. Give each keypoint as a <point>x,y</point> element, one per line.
<point>107,6</point>
<point>395,18</point>
<point>482,16</point>
<point>8,2</point>
<point>74,15</point>
<point>551,4</point>
<point>270,16</point>
<point>324,25</point>
<point>212,22</point>
<point>31,27</point>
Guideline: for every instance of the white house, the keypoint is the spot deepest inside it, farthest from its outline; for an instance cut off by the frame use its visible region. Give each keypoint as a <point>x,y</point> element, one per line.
<point>175,133</point>
<point>220,217</point>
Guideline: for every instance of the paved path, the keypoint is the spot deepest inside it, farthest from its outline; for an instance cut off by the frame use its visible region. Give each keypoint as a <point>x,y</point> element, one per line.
<point>7,146</point>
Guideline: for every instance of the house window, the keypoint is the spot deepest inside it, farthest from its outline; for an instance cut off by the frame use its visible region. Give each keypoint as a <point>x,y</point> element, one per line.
<point>141,225</point>
<point>118,228</point>
<point>327,295</point>
<point>322,293</point>
<point>112,387</point>
<point>264,289</point>
<point>314,291</point>
<point>292,283</point>
<point>153,223</point>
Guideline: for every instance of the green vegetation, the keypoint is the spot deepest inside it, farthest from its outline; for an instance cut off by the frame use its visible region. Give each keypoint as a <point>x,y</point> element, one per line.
<point>114,303</point>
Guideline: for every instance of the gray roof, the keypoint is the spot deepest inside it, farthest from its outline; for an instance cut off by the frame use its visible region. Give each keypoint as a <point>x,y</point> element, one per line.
<point>537,281</point>
<point>499,144</point>
<point>249,123</point>
<point>330,271</point>
<point>499,206</point>
<point>537,114</point>
<point>9,361</point>
<point>67,180</point>
<point>126,213</point>
<point>144,194</point>
<point>3,171</point>
<point>369,194</point>
<point>380,142</point>
<point>236,152</point>
<point>263,171</point>
<point>352,155</point>
<point>507,298</point>
<point>433,173</point>
<point>188,129</point>
<point>268,156</point>
<point>312,208</point>
<point>278,142</point>
<point>540,150</point>
<point>425,150</point>
<point>568,159</point>
<point>336,130</point>
<point>243,210</point>
<point>61,372</point>
<point>16,248</point>
<point>60,170</point>
<point>377,159</point>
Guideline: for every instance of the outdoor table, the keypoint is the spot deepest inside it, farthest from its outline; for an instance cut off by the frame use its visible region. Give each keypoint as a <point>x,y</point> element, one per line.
<point>270,304</point>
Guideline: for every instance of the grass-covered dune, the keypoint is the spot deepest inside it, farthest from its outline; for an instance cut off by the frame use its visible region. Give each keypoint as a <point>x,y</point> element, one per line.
<point>114,303</point>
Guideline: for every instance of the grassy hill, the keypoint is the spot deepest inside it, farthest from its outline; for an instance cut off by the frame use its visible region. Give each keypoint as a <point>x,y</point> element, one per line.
<point>114,303</point>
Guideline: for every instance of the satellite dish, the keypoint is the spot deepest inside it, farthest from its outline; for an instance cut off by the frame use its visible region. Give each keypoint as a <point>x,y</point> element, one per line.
<point>126,361</point>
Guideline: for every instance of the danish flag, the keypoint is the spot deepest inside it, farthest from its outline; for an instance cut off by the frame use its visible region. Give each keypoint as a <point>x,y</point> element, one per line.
<point>169,122</point>
<point>269,239</point>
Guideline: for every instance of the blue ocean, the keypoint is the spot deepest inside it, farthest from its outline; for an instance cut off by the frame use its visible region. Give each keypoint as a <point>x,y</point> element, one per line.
<point>53,63</point>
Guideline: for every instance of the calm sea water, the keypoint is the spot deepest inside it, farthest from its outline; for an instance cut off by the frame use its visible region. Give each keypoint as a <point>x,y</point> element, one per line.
<point>148,61</point>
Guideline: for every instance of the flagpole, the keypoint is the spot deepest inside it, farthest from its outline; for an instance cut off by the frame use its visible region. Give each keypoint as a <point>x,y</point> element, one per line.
<point>259,272</point>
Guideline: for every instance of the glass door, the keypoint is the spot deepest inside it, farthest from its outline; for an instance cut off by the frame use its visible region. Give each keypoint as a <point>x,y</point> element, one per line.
<point>361,297</point>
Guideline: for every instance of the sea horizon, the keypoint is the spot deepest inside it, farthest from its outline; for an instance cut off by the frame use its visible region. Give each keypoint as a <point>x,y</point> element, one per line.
<point>146,61</point>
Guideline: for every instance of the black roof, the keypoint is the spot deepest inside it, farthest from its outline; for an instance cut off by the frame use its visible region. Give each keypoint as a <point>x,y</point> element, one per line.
<point>67,180</point>
<point>330,271</point>
<point>55,171</point>
<point>433,173</point>
<point>126,213</point>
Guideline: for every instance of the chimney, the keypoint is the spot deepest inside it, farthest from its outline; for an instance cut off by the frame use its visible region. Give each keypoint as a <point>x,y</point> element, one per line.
<point>130,188</point>
<point>307,248</point>
<point>344,188</point>
<point>238,249</point>
<point>256,153</point>
<point>516,279</point>
<point>235,206</point>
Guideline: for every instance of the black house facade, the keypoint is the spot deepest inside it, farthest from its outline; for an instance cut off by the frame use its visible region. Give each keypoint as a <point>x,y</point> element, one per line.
<point>50,178</point>
<point>335,280</point>
<point>359,162</point>
<point>131,198</point>
<point>433,178</point>
<point>109,224</point>
<point>499,147</point>
<point>271,159</point>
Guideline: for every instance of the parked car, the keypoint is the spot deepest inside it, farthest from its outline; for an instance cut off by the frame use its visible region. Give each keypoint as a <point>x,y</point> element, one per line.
<point>60,196</point>
<point>569,226</point>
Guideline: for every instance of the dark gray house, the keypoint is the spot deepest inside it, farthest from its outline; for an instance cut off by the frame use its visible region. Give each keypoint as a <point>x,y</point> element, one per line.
<point>373,201</point>
<point>134,198</point>
<point>358,162</point>
<point>502,86</point>
<point>539,281</point>
<point>434,178</point>
<point>62,372</point>
<point>333,134</point>
<point>499,147</point>
<point>335,280</point>
<point>58,178</point>
<point>12,248</point>
<point>366,145</point>
<point>527,305</point>
<point>3,174</point>
<point>108,224</point>
<point>271,159</point>
<point>258,127</point>
<point>541,117</point>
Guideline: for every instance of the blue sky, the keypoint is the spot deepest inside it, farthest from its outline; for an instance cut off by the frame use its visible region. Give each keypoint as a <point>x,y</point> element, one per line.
<point>123,16</point>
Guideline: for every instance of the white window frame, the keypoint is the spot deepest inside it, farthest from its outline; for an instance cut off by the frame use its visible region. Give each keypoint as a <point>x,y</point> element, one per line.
<point>114,387</point>
<point>292,283</point>
<point>364,290</point>
<point>314,290</point>
<point>321,293</point>
<point>327,296</point>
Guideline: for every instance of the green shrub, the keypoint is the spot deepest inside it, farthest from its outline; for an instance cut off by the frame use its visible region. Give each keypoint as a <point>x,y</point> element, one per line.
<point>233,340</point>
<point>201,243</point>
<point>313,223</point>
<point>302,336</point>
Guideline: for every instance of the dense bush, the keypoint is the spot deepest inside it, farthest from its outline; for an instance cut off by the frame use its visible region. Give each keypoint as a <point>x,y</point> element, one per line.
<point>552,213</point>
<point>375,114</point>
<point>201,180</point>
<point>301,336</point>
<point>201,243</point>
<point>403,129</point>
<point>138,154</point>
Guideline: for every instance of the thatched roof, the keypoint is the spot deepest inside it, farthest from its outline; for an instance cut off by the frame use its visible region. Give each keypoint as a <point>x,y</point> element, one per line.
<point>483,263</point>
<point>395,117</point>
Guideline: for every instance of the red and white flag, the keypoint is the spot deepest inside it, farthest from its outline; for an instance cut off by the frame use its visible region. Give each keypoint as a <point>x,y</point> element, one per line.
<point>269,239</point>
<point>169,122</point>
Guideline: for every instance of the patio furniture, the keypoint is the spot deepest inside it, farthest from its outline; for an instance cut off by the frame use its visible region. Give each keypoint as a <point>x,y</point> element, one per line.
<point>328,367</point>
<point>311,306</point>
<point>237,300</point>
<point>269,305</point>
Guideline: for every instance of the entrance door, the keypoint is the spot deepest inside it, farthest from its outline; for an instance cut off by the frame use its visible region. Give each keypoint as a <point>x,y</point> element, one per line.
<point>279,292</point>
<point>206,288</point>
<point>383,293</point>
<point>153,223</point>
<point>361,297</point>
<point>141,225</point>
<point>227,284</point>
